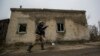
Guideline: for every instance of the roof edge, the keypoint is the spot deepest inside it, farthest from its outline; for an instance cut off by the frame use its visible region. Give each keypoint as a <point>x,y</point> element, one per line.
<point>44,9</point>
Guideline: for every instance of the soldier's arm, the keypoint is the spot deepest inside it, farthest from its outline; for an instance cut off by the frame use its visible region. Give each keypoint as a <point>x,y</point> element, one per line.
<point>45,27</point>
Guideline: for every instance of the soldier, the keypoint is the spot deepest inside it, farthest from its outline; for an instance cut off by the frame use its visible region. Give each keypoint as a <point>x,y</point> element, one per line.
<point>40,30</point>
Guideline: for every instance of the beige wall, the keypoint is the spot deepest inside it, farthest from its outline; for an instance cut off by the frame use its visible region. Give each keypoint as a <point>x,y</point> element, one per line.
<point>73,31</point>
<point>13,36</point>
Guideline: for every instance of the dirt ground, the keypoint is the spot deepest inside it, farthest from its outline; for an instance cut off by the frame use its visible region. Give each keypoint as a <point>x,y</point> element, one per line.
<point>86,49</point>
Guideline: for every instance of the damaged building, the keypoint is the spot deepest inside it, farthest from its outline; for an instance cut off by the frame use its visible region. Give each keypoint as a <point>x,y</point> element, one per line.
<point>3,30</point>
<point>63,25</point>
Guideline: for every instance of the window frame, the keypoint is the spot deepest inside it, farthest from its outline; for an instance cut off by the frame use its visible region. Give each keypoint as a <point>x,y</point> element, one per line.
<point>60,27</point>
<point>22,32</point>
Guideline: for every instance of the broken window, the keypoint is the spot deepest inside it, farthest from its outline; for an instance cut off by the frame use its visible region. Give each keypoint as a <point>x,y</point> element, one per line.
<point>60,27</point>
<point>22,28</point>
<point>60,24</point>
<point>0,30</point>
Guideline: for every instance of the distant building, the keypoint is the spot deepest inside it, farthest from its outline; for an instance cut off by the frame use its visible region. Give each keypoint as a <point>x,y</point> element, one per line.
<point>99,28</point>
<point>64,25</point>
<point>93,31</point>
<point>3,30</point>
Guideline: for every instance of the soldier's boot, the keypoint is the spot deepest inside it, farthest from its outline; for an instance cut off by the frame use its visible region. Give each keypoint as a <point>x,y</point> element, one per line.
<point>42,44</point>
<point>29,48</point>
